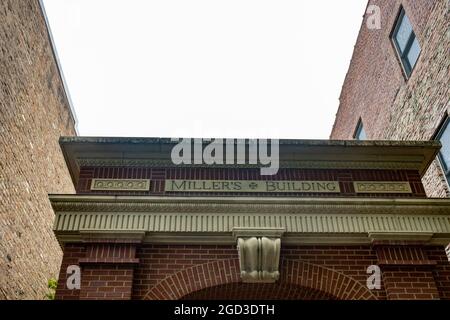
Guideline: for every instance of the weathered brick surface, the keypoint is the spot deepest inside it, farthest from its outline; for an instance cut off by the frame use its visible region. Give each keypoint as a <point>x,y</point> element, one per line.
<point>34,112</point>
<point>306,272</point>
<point>391,106</point>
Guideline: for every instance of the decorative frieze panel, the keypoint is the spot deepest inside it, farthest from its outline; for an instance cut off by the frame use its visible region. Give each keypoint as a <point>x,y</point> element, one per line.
<point>382,187</point>
<point>120,184</point>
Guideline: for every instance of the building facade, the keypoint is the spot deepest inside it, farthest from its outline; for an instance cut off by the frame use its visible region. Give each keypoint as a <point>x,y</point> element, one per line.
<point>34,112</point>
<point>339,220</point>
<point>397,86</point>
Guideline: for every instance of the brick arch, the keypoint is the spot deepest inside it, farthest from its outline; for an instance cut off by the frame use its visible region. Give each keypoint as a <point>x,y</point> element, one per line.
<point>195,278</point>
<point>325,280</point>
<point>258,291</point>
<point>221,272</point>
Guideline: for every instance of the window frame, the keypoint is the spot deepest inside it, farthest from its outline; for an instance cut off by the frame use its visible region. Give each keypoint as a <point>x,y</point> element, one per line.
<point>403,55</point>
<point>443,126</point>
<point>358,129</point>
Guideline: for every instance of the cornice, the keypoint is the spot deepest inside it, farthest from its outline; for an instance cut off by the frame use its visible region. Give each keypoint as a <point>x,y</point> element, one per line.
<point>106,203</point>
<point>160,163</point>
<point>213,219</point>
<point>314,154</point>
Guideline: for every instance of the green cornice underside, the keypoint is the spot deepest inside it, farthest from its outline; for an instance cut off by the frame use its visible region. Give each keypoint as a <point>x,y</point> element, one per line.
<point>191,220</point>
<point>314,154</point>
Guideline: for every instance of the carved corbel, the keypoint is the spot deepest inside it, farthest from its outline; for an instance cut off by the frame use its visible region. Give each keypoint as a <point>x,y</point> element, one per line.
<point>259,254</point>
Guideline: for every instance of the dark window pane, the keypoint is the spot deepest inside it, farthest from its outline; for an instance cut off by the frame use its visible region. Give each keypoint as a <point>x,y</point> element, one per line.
<point>406,43</point>
<point>403,33</point>
<point>444,138</point>
<point>360,133</point>
<point>413,53</point>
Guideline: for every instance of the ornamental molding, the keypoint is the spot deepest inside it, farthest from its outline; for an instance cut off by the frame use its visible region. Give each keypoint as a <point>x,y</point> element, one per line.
<point>174,204</point>
<point>258,232</point>
<point>382,187</point>
<point>219,220</point>
<point>417,237</point>
<point>119,236</point>
<point>163,163</point>
<point>120,184</point>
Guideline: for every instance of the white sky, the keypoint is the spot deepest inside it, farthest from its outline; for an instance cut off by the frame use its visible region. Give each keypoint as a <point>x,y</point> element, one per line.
<point>205,68</point>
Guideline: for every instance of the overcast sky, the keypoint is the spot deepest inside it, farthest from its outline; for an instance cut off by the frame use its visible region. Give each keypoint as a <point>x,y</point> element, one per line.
<point>205,68</point>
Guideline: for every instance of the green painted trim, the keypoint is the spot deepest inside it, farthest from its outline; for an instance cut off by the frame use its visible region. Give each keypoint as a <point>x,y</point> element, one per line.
<point>207,219</point>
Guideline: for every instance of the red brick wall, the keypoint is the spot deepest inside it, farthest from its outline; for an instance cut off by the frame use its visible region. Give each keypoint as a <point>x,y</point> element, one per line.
<point>307,272</point>
<point>72,255</point>
<point>407,272</point>
<point>441,271</point>
<point>409,283</point>
<point>391,106</point>
<point>300,267</point>
<point>157,176</point>
<point>106,282</point>
<point>375,74</point>
<point>107,270</point>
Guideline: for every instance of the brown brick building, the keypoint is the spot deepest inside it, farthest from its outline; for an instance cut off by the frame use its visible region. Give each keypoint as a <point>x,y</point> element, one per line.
<point>34,111</point>
<point>397,86</point>
<point>337,212</point>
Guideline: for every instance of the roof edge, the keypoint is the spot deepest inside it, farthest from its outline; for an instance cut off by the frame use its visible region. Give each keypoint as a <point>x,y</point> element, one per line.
<point>58,66</point>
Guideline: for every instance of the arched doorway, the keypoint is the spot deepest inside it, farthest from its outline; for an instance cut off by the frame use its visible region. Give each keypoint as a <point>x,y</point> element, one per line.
<point>220,279</point>
<point>262,291</point>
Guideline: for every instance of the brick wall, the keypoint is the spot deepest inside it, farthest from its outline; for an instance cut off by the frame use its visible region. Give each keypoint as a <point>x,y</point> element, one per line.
<point>408,272</point>
<point>376,90</point>
<point>306,272</point>
<point>158,175</point>
<point>34,112</point>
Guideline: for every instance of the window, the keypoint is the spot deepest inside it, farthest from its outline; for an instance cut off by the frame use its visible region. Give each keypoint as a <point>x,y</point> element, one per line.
<point>405,42</point>
<point>444,154</point>
<point>360,134</point>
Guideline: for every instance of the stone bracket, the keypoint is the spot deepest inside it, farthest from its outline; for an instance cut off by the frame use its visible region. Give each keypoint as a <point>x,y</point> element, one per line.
<point>259,254</point>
